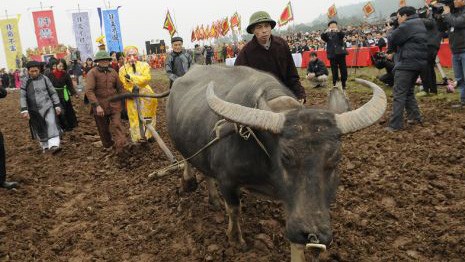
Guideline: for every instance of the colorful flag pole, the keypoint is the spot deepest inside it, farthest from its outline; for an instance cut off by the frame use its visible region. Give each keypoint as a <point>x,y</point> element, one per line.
<point>168,24</point>
<point>286,16</point>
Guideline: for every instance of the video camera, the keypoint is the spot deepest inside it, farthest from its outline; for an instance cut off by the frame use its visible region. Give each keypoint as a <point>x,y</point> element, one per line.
<point>436,7</point>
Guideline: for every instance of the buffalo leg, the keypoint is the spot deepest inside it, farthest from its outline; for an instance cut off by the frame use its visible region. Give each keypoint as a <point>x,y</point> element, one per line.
<point>233,208</point>
<point>213,196</point>
<point>188,180</point>
<point>234,228</point>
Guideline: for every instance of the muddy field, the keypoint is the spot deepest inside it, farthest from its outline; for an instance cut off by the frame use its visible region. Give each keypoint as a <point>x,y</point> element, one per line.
<point>401,197</point>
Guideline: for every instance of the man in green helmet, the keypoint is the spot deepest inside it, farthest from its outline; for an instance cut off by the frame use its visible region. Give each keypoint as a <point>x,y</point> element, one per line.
<point>102,82</point>
<point>270,53</point>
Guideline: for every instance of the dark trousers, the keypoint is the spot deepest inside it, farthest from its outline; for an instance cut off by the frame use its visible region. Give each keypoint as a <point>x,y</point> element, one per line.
<point>111,131</point>
<point>404,98</point>
<point>428,75</point>
<point>338,62</point>
<point>2,160</point>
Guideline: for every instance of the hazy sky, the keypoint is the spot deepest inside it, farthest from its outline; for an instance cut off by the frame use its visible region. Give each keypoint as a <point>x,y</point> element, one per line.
<point>143,20</point>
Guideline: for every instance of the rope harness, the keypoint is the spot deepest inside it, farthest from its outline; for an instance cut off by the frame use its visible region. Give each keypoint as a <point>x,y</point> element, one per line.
<point>243,131</point>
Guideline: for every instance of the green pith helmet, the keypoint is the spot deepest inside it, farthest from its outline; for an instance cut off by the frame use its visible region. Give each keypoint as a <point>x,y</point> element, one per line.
<point>102,55</point>
<point>259,17</point>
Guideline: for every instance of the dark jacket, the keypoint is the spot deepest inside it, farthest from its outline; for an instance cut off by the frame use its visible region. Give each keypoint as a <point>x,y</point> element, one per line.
<point>381,43</point>
<point>409,41</point>
<point>3,92</point>
<point>317,67</point>
<point>456,23</point>
<point>334,44</point>
<point>277,60</point>
<point>433,35</point>
<point>60,83</point>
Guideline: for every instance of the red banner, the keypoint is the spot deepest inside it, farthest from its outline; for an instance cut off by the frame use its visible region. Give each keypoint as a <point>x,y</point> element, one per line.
<point>44,25</point>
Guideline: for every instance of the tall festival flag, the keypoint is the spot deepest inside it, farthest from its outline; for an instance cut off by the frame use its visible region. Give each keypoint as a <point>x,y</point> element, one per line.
<point>168,24</point>
<point>193,37</point>
<point>81,28</point>
<point>44,25</point>
<point>235,20</point>
<point>368,9</point>
<point>287,15</point>
<point>112,30</point>
<point>11,41</point>
<point>225,27</point>
<point>332,12</point>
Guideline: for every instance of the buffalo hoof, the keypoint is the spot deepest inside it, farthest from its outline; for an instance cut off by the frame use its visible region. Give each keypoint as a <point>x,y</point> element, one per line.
<point>189,186</point>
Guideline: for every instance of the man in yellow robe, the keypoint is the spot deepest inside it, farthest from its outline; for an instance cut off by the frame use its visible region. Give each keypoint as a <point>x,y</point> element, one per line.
<point>132,74</point>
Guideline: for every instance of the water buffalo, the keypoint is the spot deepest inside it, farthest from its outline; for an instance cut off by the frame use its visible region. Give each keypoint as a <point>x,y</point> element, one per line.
<point>300,151</point>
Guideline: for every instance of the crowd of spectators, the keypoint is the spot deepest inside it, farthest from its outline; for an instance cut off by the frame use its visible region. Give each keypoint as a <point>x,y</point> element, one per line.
<point>355,36</point>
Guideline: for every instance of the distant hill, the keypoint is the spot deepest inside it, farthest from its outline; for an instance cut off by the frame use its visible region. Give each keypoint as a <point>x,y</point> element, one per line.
<point>383,8</point>
<point>353,15</point>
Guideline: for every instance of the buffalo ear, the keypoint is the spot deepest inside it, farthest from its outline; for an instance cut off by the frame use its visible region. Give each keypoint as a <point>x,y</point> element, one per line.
<point>283,103</point>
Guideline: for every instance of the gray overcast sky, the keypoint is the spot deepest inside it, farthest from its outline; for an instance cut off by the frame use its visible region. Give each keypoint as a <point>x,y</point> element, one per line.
<point>143,20</point>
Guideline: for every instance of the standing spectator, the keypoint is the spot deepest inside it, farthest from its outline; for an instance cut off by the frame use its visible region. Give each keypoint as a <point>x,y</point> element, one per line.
<point>5,78</point>
<point>270,53</point>
<point>3,182</point>
<point>40,105</point>
<point>76,74</point>
<point>336,52</point>
<point>208,55</point>
<point>317,73</point>
<point>64,87</point>
<point>178,62</point>
<point>456,24</point>
<point>102,82</point>
<point>408,42</point>
<point>304,47</point>
<point>428,74</point>
<point>114,61</point>
<point>17,78</point>
<point>135,77</point>
<point>198,55</point>
<point>88,65</point>
<point>380,41</point>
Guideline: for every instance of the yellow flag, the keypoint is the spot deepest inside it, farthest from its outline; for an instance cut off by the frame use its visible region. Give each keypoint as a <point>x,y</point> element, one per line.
<point>11,41</point>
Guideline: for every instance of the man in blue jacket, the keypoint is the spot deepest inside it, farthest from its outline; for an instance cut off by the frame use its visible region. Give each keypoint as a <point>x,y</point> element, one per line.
<point>409,43</point>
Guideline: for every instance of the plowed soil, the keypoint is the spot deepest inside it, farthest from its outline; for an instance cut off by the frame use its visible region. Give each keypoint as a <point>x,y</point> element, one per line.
<point>401,197</point>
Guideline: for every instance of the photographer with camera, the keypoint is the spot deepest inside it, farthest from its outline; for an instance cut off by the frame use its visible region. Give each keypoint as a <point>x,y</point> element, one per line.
<point>408,42</point>
<point>336,52</point>
<point>456,24</point>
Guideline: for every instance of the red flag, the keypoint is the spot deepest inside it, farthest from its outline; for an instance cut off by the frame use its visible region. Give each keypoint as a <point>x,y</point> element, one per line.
<point>368,9</point>
<point>44,24</point>
<point>225,27</point>
<point>193,38</point>
<point>287,15</point>
<point>332,12</point>
<point>402,3</point>
<point>169,25</point>
<point>234,21</point>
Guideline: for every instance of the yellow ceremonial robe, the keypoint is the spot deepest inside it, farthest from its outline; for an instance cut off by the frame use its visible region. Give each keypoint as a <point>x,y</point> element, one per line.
<point>140,78</point>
